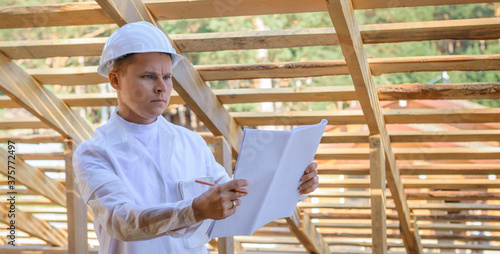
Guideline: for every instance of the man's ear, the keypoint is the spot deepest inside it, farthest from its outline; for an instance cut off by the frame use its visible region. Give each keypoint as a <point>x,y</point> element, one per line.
<point>114,80</point>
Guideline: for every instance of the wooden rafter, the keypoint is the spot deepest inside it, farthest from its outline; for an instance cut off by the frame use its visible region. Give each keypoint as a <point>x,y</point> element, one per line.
<point>408,169</point>
<point>187,81</point>
<point>67,14</point>
<point>466,29</point>
<point>36,227</point>
<point>187,9</point>
<point>331,93</point>
<point>392,116</point>
<point>379,66</point>
<point>342,16</point>
<point>36,180</point>
<point>413,153</point>
<point>305,231</point>
<point>27,92</point>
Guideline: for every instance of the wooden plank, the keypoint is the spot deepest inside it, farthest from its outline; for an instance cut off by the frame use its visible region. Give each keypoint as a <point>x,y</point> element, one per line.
<point>343,19</point>
<point>41,156</point>
<point>33,226</point>
<point>34,179</point>
<point>455,227</point>
<point>222,153</point>
<point>434,195</point>
<point>272,70</point>
<point>410,153</point>
<point>408,169</point>
<point>188,9</point>
<point>439,91</point>
<point>329,93</point>
<point>379,66</point>
<point>444,184</point>
<point>391,116</point>
<point>416,136</point>
<point>68,76</point>
<point>76,207</point>
<point>301,226</point>
<point>444,206</point>
<point>53,48</point>
<point>464,29</point>
<point>369,4</point>
<point>167,10</point>
<point>377,193</point>
<point>187,81</point>
<point>435,63</point>
<point>68,14</point>
<point>22,123</point>
<point>33,139</point>
<point>21,87</point>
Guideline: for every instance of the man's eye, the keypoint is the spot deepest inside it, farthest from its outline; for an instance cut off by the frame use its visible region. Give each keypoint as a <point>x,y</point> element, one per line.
<point>166,77</point>
<point>148,76</point>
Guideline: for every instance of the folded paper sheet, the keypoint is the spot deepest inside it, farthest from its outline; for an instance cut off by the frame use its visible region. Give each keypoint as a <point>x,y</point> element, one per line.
<point>273,162</point>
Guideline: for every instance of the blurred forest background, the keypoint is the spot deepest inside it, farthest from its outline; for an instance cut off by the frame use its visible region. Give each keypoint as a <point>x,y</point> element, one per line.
<point>279,22</point>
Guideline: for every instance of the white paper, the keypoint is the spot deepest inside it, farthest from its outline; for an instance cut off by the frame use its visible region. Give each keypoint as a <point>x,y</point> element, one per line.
<point>273,162</point>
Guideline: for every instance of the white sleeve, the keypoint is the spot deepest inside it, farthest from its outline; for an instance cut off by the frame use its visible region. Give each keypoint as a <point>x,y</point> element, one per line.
<point>114,208</point>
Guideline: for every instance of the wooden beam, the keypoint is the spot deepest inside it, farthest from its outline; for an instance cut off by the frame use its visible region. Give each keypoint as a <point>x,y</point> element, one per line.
<point>186,9</point>
<point>76,207</point>
<point>411,153</point>
<point>187,81</point>
<point>33,139</point>
<point>444,184</point>
<point>342,16</point>
<point>329,93</point>
<point>434,195</point>
<point>408,169</point>
<point>454,227</point>
<point>222,153</point>
<point>444,206</point>
<point>22,123</point>
<point>368,4</point>
<point>67,14</point>
<point>21,87</point>
<point>392,116</point>
<point>34,179</point>
<point>464,29</point>
<point>68,76</point>
<point>53,48</point>
<point>301,226</point>
<point>379,66</point>
<point>38,228</point>
<point>377,193</point>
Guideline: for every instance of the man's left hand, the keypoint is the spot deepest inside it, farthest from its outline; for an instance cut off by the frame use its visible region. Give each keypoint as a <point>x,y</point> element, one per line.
<point>310,179</point>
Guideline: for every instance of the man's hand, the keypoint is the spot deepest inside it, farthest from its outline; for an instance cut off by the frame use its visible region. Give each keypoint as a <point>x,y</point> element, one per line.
<point>310,179</point>
<point>219,201</point>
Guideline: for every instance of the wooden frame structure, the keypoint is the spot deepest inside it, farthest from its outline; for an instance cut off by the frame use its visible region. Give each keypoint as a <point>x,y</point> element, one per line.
<point>456,209</point>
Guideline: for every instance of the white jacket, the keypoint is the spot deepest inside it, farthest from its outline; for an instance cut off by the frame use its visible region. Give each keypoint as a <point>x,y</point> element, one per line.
<point>134,201</point>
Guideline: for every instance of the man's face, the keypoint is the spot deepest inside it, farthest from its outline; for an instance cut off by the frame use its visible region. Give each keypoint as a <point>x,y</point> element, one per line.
<point>143,87</point>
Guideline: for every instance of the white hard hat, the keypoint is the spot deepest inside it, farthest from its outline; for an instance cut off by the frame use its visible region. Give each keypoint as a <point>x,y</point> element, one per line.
<point>138,37</point>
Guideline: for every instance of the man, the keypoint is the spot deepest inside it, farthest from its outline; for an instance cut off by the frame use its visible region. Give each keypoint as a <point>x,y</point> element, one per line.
<point>129,171</point>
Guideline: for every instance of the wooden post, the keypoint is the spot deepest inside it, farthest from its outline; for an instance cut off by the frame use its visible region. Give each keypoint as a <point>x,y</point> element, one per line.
<point>377,184</point>
<point>224,157</point>
<point>76,208</point>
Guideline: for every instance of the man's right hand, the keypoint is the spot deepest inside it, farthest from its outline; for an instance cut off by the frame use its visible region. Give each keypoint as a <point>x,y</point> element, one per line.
<point>219,201</point>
